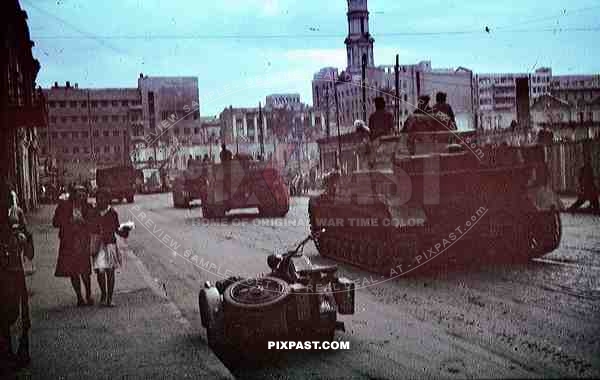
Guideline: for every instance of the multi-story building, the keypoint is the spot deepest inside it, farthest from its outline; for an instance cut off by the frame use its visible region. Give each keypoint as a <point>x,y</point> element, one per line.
<point>414,80</point>
<point>91,125</point>
<point>210,129</point>
<point>170,108</point>
<point>103,127</point>
<point>497,96</point>
<point>280,122</point>
<point>575,88</point>
<point>22,107</point>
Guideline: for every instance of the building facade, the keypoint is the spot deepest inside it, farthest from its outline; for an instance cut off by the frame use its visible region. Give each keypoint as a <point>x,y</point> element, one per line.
<point>497,96</point>
<point>90,128</point>
<point>340,94</point>
<point>22,108</point>
<point>284,118</point>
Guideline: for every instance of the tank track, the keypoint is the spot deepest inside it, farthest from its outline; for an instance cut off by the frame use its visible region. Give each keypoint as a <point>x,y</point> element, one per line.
<point>376,254</point>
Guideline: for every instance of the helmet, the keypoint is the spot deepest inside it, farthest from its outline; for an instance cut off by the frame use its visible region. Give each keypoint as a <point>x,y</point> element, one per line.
<point>360,126</point>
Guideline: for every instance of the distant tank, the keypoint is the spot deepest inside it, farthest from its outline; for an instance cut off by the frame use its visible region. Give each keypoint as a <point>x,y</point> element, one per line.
<point>418,196</point>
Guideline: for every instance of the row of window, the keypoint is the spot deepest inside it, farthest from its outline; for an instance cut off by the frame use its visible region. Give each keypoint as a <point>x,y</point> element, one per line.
<point>80,134</point>
<point>86,150</point>
<point>94,119</point>
<point>93,103</point>
<point>115,133</point>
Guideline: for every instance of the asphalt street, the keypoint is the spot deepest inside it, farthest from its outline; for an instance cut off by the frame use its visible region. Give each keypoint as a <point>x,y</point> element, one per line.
<point>539,319</point>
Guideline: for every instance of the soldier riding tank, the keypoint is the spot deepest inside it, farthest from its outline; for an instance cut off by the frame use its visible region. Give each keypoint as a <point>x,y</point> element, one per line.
<point>421,197</point>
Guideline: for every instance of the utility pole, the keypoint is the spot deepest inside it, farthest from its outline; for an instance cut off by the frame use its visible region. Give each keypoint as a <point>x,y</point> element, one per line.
<point>327,130</point>
<point>337,121</point>
<point>397,104</point>
<point>261,137</point>
<point>364,88</point>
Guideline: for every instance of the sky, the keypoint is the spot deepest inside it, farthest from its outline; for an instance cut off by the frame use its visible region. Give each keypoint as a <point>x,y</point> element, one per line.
<point>243,50</point>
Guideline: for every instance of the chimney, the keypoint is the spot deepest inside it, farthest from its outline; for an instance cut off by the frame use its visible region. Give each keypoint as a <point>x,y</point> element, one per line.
<point>141,75</point>
<point>76,85</point>
<point>68,84</point>
<point>55,84</point>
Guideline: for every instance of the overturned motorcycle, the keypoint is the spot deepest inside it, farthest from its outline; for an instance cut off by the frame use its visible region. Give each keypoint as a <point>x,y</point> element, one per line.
<point>298,300</point>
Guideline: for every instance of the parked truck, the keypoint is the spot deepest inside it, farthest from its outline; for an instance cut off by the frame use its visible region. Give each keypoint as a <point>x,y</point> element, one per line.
<point>118,181</point>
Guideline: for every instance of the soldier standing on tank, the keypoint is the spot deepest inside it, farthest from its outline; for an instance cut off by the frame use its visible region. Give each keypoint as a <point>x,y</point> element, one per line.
<point>381,122</point>
<point>443,112</point>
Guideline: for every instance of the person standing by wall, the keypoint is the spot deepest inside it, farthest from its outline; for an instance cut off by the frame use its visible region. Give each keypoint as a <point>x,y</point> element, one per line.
<point>14,300</point>
<point>74,251</point>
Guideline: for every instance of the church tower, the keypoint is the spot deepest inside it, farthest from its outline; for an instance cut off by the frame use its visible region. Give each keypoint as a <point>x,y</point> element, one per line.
<point>359,41</point>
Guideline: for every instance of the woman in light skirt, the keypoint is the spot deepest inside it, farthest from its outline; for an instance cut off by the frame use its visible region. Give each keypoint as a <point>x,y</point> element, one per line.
<point>106,258</point>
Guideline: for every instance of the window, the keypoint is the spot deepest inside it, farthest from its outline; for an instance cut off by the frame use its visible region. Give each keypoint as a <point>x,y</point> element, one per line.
<point>114,103</point>
<point>105,119</point>
<point>96,149</point>
<point>84,104</point>
<point>65,150</point>
<point>73,104</point>
<point>62,104</point>
<point>116,133</point>
<point>105,133</point>
<point>117,148</point>
<point>76,150</point>
<point>53,119</point>
<point>125,118</point>
<point>84,119</point>
<point>54,135</point>
<point>96,133</point>
<point>115,118</point>
<point>186,131</point>
<point>63,119</point>
<point>64,135</point>
<point>94,119</point>
<point>43,135</point>
<point>94,104</point>
<point>176,131</point>
<point>75,135</point>
<point>85,135</point>
<point>104,103</point>
<point>125,103</point>
<point>52,104</point>
<point>74,119</point>
<point>106,149</point>
<point>86,150</point>
<point>196,131</point>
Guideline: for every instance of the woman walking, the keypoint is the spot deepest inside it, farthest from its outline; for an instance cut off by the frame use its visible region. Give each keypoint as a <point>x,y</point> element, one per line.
<point>107,258</point>
<point>74,252</point>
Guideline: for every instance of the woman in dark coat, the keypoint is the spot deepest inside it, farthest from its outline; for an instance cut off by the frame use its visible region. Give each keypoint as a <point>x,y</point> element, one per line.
<point>74,251</point>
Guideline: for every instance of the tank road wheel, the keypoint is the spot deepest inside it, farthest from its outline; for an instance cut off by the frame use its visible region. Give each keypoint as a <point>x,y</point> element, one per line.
<point>179,199</point>
<point>213,212</point>
<point>545,233</point>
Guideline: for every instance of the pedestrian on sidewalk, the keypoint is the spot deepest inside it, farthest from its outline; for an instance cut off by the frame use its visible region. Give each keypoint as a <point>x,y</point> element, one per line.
<point>73,261</point>
<point>588,191</point>
<point>14,301</point>
<point>105,224</point>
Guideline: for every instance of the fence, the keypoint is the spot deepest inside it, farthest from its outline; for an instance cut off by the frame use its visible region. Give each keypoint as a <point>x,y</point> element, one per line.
<point>566,158</point>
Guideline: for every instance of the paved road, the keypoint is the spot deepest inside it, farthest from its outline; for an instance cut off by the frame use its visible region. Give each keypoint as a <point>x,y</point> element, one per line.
<point>528,321</point>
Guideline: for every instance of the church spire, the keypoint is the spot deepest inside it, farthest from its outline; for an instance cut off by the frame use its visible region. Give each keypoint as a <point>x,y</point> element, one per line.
<point>359,40</point>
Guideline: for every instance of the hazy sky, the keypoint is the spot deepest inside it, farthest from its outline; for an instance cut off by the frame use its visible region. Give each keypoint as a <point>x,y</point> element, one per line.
<point>108,43</point>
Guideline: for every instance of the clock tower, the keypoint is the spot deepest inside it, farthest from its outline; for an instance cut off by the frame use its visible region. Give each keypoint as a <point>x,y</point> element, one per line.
<point>359,40</point>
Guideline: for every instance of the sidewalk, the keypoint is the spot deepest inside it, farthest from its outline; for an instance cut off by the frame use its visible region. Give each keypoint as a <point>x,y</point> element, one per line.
<point>144,336</point>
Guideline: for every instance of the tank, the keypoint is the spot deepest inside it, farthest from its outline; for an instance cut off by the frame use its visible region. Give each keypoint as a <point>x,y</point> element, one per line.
<point>436,195</point>
<point>237,184</point>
